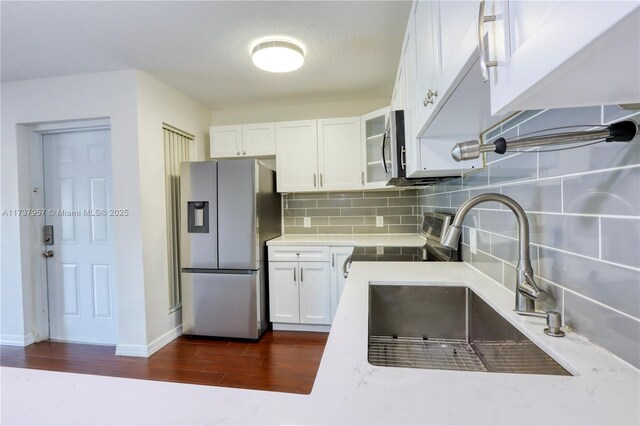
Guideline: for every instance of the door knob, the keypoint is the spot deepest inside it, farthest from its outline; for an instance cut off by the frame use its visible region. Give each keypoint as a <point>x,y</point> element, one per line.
<point>48,253</point>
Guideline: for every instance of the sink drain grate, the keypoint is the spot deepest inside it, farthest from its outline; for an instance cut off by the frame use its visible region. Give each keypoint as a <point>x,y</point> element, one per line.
<point>438,354</point>
<point>517,357</point>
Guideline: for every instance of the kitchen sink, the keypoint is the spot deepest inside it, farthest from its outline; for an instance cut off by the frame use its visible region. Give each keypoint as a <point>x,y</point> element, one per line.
<point>448,328</point>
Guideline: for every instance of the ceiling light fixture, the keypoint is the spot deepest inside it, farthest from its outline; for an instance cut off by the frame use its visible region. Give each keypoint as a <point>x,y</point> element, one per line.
<point>277,56</point>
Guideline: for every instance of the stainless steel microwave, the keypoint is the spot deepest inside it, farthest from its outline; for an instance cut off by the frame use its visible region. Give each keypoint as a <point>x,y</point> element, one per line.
<point>394,154</point>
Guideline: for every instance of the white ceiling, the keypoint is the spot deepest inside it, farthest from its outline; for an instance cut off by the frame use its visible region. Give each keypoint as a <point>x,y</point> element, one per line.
<point>203,48</point>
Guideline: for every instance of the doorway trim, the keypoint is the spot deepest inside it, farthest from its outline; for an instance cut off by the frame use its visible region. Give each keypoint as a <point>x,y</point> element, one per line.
<point>31,137</point>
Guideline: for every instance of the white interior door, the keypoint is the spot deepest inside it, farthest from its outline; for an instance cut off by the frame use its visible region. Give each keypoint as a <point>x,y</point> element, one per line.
<point>81,272</point>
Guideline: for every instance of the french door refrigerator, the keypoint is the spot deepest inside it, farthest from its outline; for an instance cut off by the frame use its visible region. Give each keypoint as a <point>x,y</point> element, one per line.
<point>229,209</point>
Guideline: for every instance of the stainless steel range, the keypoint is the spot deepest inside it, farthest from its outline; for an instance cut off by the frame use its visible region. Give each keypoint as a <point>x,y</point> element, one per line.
<point>434,225</point>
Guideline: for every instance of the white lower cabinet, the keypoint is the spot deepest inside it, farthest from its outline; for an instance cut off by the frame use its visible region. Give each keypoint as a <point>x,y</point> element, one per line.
<point>339,256</point>
<point>299,291</point>
<point>315,295</point>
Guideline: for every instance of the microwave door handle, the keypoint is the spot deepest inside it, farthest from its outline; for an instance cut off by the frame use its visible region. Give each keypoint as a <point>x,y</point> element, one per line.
<point>384,160</point>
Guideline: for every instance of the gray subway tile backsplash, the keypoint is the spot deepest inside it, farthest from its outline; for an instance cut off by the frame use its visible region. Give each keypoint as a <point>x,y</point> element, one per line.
<point>352,212</point>
<point>621,241</point>
<point>609,284</point>
<point>614,192</point>
<point>584,211</point>
<point>577,234</point>
<point>523,166</point>
<point>618,333</point>
<point>591,158</point>
<point>538,196</point>
<point>551,119</point>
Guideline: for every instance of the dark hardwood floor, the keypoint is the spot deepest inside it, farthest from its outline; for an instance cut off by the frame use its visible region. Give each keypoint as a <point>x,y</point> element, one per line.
<point>282,361</point>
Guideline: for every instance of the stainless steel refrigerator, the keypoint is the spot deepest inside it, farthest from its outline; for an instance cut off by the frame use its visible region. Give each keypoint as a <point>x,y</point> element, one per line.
<point>229,209</point>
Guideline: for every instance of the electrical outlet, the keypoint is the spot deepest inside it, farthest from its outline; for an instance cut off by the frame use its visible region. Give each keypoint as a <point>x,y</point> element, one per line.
<point>473,240</point>
<point>379,250</point>
<point>307,222</point>
<point>379,221</point>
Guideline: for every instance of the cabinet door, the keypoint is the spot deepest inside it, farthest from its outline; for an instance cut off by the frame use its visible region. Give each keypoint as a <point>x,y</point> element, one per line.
<point>283,292</point>
<point>339,256</point>
<point>427,68</point>
<point>225,141</point>
<point>456,39</point>
<point>410,134</point>
<point>373,126</point>
<point>398,97</point>
<point>563,54</point>
<point>259,139</point>
<point>297,156</point>
<point>339,154</point>
<point>315,293</point>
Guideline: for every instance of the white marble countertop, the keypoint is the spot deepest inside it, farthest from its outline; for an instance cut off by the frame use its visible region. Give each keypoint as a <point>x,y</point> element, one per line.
<point>367,240</point>
<point>347,389</point>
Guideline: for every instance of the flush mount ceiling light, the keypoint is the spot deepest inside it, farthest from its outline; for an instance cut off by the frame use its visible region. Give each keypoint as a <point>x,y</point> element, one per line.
<point>277,56</point>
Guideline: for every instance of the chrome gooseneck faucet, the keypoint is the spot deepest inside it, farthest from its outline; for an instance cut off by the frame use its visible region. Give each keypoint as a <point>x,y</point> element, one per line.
<point>526,289</point>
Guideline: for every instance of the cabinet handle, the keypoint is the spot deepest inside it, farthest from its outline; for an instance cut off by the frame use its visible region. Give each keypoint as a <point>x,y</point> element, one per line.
<point>484,64</point>
<point>362,178</point>
<point>321,183</point>
<point>333,260</point>
<point>244,152</point>
<point>294,275</point>
<point>238,153</point>
<point>314,180</point>
<point>403,158</point>
<point>301,276</point>
<point>429,98</point>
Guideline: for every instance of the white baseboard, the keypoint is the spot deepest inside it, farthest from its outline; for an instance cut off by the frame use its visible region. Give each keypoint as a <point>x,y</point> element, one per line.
<point>163,340</point>
<point>278,326</point>
<point>151,348</point>
<point>17,339</point>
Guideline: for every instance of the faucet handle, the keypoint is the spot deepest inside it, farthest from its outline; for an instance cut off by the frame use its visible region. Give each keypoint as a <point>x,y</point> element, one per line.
<point>529,287</point>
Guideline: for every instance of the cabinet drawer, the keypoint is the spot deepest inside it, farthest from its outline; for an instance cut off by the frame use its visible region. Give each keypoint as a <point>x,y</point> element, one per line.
<point>299,253</point>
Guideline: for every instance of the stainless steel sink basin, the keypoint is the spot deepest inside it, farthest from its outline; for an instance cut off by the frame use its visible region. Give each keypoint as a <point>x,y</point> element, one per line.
<point>448,328</point>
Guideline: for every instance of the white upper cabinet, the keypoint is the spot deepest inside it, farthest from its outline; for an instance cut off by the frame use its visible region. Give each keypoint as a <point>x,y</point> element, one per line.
<point>427,68</point>
<point>456,38</point>
<point>246,140</point>
<point>259,139</point>
<point>410,90</point>
<point>297,156</point>
<point>339,154</point>
<point>319,155</point>
<point>375,149</point>
<point>563,54</point>
<point>225,141</point>
<point>398,96</point>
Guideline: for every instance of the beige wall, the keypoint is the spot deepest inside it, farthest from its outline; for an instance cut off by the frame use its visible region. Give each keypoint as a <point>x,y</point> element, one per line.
<point>158,104</point>
<point>74,97</point>
<point>297,112</point>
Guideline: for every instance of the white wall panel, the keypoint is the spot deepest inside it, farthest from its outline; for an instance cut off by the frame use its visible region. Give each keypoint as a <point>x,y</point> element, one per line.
<point>101,284</point>
<point>98,188</point>
<point>70,290</point>
<point>68,197</point>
